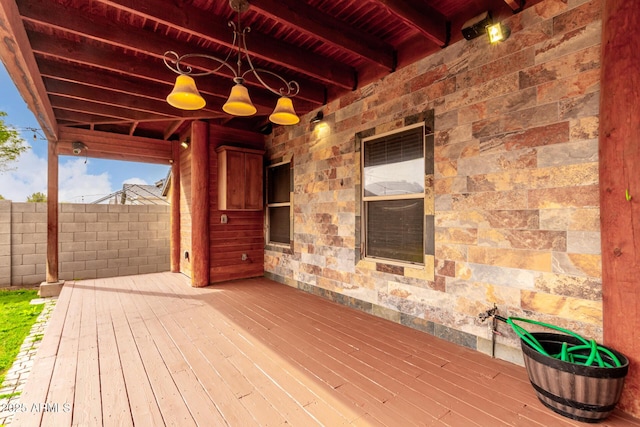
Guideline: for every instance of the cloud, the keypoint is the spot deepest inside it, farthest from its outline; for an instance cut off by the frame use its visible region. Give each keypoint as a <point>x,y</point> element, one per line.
<point>76,183</point>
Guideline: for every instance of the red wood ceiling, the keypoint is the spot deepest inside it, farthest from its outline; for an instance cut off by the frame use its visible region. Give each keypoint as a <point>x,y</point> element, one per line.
<point>101,60</point>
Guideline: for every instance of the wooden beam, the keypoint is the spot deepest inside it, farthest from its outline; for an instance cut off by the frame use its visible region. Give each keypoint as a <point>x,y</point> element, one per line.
<point>619,155</point>
<point>174,241</point>
<point>140,41</point>
<point>115,146</point>
<point>52,213</point>
<point>427,20</point>
<point>154,70</point>
<point>190,20</point>
<point>172,128</point>
<point>311,21</point>
<point>21,65</point>
<point>102,109</point>
<point>200,248</point>
<point>515,5</point>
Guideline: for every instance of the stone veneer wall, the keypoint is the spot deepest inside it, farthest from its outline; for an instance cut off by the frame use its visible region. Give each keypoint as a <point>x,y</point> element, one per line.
<point>94,241</point>
<point>516,184</point>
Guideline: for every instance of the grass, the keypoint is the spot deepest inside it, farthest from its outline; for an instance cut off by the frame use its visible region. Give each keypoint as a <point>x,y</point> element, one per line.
<point>16,318</point>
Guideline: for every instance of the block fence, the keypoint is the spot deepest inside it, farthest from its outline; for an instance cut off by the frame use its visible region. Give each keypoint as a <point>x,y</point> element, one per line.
<point>94,241</point>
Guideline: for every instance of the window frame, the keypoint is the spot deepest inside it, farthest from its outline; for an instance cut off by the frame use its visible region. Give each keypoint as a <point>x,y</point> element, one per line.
<point>269,205</point>
<point>412,196</point>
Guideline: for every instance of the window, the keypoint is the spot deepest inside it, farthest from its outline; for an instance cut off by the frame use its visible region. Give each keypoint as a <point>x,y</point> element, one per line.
<point>279,204</point>
<point>393,171</point>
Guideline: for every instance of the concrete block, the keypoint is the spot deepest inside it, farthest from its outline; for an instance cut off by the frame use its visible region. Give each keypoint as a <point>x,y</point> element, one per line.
<point>16,259</point>
<point>158,259</point>
<point>138,260</point>
<point>50,289</point>
<point>41,227</point>
<point>128,217</point>
<point>118,226</point>
<point>158,225</point>
<point>97,264</point>
<point>163,234</point>
<point>29,217</point>
<point>106,235</point>
<point>107,254</point>
<point>41,207</point>
<point>72,246</point>
<point>5,261</point>
<point>5,206</point>
<point>41,248</point>
<point>85,256</point>
<point>158,243</point>
<point>72,266</point>
<point>164,250</point>
<point>41,269</point>
<point>22,227</point>
<point>5,276</point>
<point>23,207</point>
<point>85,217</point>
<point>64,256</point>
<point>72,207</point>
<point>85,236</point>
<point>16,217</point>
<point>146,269</point>
<point>34,238</point>
<point>149,217</point>
<point>158,208</point>
<point>140,243</point>
<point>65,217</point>
<point>5,249</point>
<point>118,208</point>
<point>139,208</point>
<point>33,279</point>
<point>22,249</point>
<point>148,251</point>
<point>150,234</point>
<point>118,244</point>
<point>65,237</point>
<point>130,235</point>
<point>107,217</point>
<point>97,208</point>
<point>127,253</point>
<point>128,271</point>
<point>33,259</point>
<point>96,246</point>
<point>16,280</point>
<point>97,226</point>
<point>72,227</point>
<point>138,226</point>
<point>118,262</point>
<point>23,270</point>
<point>5,228</point>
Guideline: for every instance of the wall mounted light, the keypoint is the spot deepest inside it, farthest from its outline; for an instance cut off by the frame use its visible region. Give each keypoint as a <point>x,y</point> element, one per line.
<point>317,118</point>
<point>497,33</point>
<point>185,144</point>
<point>476,26</point>
<point>185,94</point>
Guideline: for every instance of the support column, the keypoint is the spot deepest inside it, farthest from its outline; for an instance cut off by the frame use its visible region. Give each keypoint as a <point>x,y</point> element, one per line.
<point>52,286</point>
<point>619,152</point>
<point>175,208</point>
<point>200,204</point>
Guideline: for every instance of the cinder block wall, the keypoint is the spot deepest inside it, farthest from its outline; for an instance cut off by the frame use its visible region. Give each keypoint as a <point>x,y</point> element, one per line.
<point>94,241</point>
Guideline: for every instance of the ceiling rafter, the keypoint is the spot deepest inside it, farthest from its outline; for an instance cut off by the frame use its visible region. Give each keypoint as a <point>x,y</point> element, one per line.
<point>188,19</point>
<point>427,20</point>
<point>310,21</point>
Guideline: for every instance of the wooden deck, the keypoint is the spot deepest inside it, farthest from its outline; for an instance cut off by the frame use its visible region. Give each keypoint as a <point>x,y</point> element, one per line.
<point>149,350</point>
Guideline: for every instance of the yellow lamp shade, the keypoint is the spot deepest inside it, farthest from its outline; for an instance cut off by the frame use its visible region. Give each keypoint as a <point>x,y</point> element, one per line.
<point>239,103</point>
<point>185,95</point>
<point>284,114</point>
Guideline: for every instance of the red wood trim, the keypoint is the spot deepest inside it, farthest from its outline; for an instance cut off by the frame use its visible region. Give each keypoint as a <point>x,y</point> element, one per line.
<point>200,204</point>
<point>175,209</point>
<point>619,156</point>
<point>52,213</point>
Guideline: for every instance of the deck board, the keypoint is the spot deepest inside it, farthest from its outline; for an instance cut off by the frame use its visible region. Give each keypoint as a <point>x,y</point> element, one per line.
<point>150,350</point>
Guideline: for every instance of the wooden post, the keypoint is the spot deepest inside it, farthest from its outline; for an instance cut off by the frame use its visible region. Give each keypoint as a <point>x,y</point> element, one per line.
<point>200,204</point>
<point>619,153</point>
<point>175,208</point>
<point>52,213</point>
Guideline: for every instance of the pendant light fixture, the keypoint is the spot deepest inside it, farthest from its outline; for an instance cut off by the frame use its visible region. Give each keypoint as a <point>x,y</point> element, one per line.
<point>185,94</point>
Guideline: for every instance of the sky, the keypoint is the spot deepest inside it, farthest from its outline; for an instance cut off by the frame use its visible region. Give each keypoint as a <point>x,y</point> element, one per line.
<point>80,180</point>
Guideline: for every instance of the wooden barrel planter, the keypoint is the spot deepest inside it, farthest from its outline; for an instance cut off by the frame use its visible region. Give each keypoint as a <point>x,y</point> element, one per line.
<point>583,393</point>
